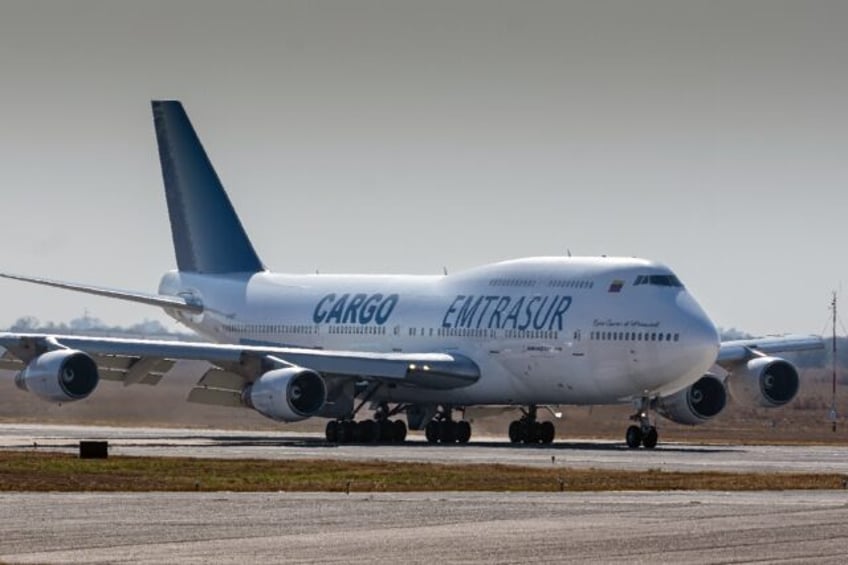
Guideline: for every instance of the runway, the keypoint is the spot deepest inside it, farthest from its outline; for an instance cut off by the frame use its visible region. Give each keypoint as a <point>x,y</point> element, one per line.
<point>225,527</point>
<point>577,454</point>
<point>682,527</point>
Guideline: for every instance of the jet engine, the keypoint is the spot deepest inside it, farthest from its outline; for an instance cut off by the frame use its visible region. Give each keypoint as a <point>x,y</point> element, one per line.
<point>764,381</point>
<point>695,404</point>
<point>287,395</point>
<point>62,375</point>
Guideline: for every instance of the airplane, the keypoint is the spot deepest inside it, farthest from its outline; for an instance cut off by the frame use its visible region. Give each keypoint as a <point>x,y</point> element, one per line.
<point>529,333</point>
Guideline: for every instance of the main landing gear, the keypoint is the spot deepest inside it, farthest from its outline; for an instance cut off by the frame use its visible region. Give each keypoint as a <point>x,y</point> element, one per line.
<point>443,429</point>
<point>365,431</point>
<point>380,429</point>
<point>645,433</point>
<point>529,430</point>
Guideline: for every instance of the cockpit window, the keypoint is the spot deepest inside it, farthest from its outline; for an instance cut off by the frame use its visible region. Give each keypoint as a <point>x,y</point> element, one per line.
<point>658,280</point>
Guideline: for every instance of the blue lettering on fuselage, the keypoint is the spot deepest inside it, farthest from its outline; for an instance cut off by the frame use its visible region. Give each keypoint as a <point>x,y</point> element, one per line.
<point>356,309</point>
<point>507,312</point>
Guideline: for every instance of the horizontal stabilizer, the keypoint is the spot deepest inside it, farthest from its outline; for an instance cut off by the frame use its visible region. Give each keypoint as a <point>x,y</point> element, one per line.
<point>173,302</point>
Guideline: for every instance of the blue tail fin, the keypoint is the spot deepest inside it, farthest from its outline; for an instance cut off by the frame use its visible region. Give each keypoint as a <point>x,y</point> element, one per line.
<point>208,236</point>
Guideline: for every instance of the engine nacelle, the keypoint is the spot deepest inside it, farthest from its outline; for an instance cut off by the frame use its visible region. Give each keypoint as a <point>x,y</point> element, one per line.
<point>287,395</point>
<point>62,375</point>
<point>765,381</point>
<point>695,404</point>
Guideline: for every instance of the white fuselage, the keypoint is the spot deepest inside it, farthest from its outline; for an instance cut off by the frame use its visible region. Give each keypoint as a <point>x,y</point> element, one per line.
<point>542,330</point>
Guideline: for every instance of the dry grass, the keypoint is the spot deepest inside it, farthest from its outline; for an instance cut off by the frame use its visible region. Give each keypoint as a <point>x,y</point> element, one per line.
<point>30,471</point>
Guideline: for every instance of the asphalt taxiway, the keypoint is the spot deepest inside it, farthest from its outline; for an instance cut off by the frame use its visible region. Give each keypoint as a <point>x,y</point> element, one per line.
<point>680,527</point>
<point>230,444</point>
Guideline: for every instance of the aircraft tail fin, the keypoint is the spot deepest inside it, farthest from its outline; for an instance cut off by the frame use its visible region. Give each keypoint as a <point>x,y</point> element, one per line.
<point>208,235</point>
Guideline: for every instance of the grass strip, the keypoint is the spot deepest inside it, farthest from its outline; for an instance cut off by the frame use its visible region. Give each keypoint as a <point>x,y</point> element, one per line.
<point>46,471</point>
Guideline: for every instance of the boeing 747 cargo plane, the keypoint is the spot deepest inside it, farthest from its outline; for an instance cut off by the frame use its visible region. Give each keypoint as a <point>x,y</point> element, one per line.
<point>528,333</point>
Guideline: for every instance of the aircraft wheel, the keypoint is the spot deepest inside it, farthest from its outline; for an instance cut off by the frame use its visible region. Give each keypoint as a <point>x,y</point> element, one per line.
<point>367,431</point>
<point>650,439</point>
<point>547,433</point>
<point>346,431</point>
<point>463,431</point>
<point>515,431</point>
<point>633,437</point>
<point>386,431</point>
<point>398,431</point>
<point>432,431</point>
<point>531,432</point>
<point>332,431</point>
<point>447,431</point>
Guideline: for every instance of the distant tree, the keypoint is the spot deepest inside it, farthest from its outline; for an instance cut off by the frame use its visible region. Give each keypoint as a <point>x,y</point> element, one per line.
<point>26,324</point>
<point>92,324</point>
<point>148,327</point>
<point>728,334</point>
<point>86,323</point>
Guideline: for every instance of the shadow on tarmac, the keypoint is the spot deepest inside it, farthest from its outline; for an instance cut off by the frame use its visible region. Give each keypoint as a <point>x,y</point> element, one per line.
<point>318,443</point>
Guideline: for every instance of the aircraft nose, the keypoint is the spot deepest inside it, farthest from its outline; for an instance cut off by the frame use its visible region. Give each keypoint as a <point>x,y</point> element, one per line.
<point>701,334</point>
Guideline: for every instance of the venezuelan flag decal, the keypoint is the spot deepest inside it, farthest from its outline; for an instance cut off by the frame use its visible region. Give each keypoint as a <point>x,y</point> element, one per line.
<point>616,285</point>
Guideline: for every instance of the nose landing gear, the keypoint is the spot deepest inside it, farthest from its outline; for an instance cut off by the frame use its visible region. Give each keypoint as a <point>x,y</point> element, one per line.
<point>645,433</point>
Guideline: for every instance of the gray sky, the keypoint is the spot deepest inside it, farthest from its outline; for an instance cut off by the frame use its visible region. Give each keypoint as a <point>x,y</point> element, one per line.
<point>364,136</point>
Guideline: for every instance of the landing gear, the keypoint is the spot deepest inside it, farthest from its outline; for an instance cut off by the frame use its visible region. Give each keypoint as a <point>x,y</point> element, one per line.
<point>633,437</point>
<point>645,433</point>
<point>529,430</point>
<point>340,431</point>
<point>649,439</point>
<point>378,430</point>
<point>365,431</point>
<point>442,429</point>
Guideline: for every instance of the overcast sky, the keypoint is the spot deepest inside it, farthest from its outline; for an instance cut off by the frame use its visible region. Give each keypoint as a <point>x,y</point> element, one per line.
<point>364,136</point>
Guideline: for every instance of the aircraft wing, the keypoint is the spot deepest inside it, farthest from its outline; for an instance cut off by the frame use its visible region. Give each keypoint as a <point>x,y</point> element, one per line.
<point>139,361</point>
<point>739,351</point>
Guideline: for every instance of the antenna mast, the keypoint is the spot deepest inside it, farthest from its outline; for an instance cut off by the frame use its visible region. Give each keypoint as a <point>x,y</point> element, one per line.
<point>833,414</point>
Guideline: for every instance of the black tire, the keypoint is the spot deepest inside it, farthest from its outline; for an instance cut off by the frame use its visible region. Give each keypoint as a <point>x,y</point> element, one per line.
<point>331,432</point>
<point>447,431</point>
<point>515,431</point>
<point>368,431</point>
<point>531,432</point>
<point>633,437</point>
<point>398,431</point>
<point>386,431</point>
<point>463,431</point>
<point>650,439</point>
<point>432,431</point>
<point>346,431</point>
<point>547,431</point>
